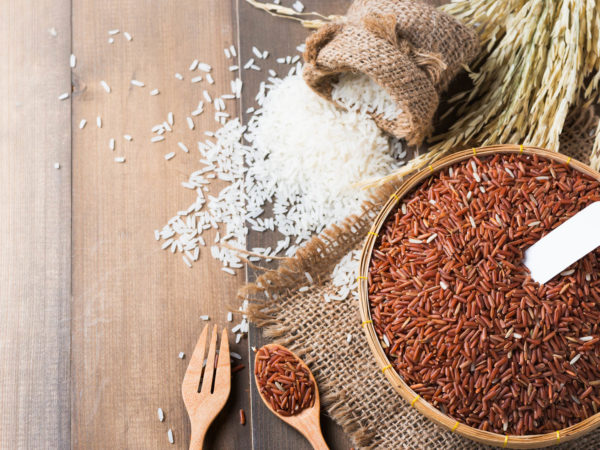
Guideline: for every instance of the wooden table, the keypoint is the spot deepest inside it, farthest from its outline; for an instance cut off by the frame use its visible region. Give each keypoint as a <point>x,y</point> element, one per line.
<point>93,313</point>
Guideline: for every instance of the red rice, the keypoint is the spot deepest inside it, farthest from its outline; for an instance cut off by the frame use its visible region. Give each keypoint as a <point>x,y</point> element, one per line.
<point>469,330</point>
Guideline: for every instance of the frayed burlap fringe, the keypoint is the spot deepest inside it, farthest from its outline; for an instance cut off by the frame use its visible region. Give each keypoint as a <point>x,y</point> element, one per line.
<point>408,47</point>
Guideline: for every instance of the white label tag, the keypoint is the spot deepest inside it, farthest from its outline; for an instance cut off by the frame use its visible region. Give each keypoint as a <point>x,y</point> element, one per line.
<point>564,245</point>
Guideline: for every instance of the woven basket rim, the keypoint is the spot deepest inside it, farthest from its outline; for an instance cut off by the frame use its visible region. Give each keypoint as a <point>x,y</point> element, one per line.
<point>424,407</point>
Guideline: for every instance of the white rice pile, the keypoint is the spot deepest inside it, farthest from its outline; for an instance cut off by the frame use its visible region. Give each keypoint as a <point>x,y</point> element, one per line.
<point>358,92</point>
<point>299,156</point>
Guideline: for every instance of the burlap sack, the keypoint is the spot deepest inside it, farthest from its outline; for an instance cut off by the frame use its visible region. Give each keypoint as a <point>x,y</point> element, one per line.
<point>409,48</point>
<point>355,392</point>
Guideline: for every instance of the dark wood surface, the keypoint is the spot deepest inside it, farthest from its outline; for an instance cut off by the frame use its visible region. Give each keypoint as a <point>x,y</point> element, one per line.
<point>280,37</point>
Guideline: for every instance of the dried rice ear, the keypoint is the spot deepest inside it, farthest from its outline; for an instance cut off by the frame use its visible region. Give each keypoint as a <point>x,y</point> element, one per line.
<point>390,42</point>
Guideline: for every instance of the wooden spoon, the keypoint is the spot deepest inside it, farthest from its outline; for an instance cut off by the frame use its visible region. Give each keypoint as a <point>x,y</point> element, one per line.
<point>308,420</point>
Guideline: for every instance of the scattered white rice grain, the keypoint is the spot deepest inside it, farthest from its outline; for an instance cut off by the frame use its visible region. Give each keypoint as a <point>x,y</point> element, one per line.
<point>120,159</point>
<point>588,277</point>
<point>105,85</point>
<point>111,40</point>
<point>256,52</point>
<point>265,54</point>
<point>161,415</point>
<point>233,68</point>
<point>63,96</point>
<point>415,241</point>
<point>534,224</point>
<point>113,32</point>
<point>444,285</point>
<point>197,112</point>
<point>128,36</point>
<point>137,83</point>
<point>154,92</point>
<point>517,336</point>
<point>508,171</point>
<point>303,289</point>
<point>288,59</point>
<point>197,79</point>
<point>281,60</point>
<point>349,338</point>
<point>170,436</point>
<point>238,338</point>
<point>111,144</point>
<point>57,165</point>
<point>157,235</point>
<point>575,359</point>
<point>73,61</point>
<point>295,59</point>
<point>205,317</point>
<point>181,355</point>
<point>586,338</point>
<point>210,79</point>
<point>229,316</point>
<point>566,273</point>
<point>99,121</point>
<point>128,137</point>
<point>82,124</point>
<point>227,53</point>
<point>194,65</point>
<point>235,355</point>
<point>190,123</point>
<point>298,6</point>
<point>178,76</point>
<point>272,73</point>
<point>52,32</point>
<point>228,270</point>
<point>157,138</point>
<point>403,208</point>
<point>309,277</point>
<point>183,147</point>
<point>169,156</point>
<point>207,96</point>
<point>170,118</point>
<point>233,50</point>
<point>255,67</point>
<point>204,67</point>
<point>249,63</point>
<point>250,110</point>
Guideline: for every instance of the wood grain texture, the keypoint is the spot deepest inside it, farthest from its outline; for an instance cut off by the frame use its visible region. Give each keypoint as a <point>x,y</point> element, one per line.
<point>135,306</point>
<point>35,225</point>
<point>280,37</point>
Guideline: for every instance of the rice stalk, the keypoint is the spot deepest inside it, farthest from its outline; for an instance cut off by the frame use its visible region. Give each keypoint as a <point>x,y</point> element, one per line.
<point>538,57</point>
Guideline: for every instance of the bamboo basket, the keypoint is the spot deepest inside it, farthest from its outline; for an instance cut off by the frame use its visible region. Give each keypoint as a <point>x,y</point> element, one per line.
<point>424,407</point>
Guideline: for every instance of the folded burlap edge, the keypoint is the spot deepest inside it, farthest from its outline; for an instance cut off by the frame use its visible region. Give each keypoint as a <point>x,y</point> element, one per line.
<point>317,257</point>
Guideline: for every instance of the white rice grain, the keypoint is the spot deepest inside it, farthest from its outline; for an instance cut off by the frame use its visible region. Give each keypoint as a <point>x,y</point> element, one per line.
<point>63,96</point>
<point>137,83</point>
<point>82,124</point>
<point>178,76</point>
<point>194,65</point>
<point>161,415</point>
<point>105,85</point>
<point>73,61</point>
<point>120,159</point>
<point>169,156</point>
<point>128,36</point>
<point>154,92</point>
<point>183,147</point>
<point>190,123</point>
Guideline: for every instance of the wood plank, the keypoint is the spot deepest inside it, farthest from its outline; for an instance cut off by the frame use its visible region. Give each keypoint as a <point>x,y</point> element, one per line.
<point>280,37</point>
<point>135,307</point>
<point>35,224</point>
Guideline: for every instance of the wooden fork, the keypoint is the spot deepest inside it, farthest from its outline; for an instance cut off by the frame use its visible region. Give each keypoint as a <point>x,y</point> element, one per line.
<point>203,402</point>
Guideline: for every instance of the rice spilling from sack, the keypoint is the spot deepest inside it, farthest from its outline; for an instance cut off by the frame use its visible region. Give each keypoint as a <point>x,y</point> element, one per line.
<point>300,158</point>
<point>358,92</point>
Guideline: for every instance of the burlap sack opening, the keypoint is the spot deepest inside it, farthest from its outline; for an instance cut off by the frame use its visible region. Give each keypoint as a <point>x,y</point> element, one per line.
<point>355,392</point>
<point>409,48</point>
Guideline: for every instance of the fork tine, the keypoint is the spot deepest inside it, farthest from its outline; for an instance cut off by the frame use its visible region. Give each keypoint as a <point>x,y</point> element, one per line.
<point>223,377</point>
<point>209,370</point>
<point>191,379</point>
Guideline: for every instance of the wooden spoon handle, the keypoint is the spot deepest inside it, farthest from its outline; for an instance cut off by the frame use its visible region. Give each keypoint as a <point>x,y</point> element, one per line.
<point>311,429</point>
<point>317,441</point>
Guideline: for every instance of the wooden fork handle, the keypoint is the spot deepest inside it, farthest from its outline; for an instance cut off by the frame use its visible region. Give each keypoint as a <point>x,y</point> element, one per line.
<point>199,428</point>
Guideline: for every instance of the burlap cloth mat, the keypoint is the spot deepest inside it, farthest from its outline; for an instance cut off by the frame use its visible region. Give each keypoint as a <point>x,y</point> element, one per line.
<point>355,392</point>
